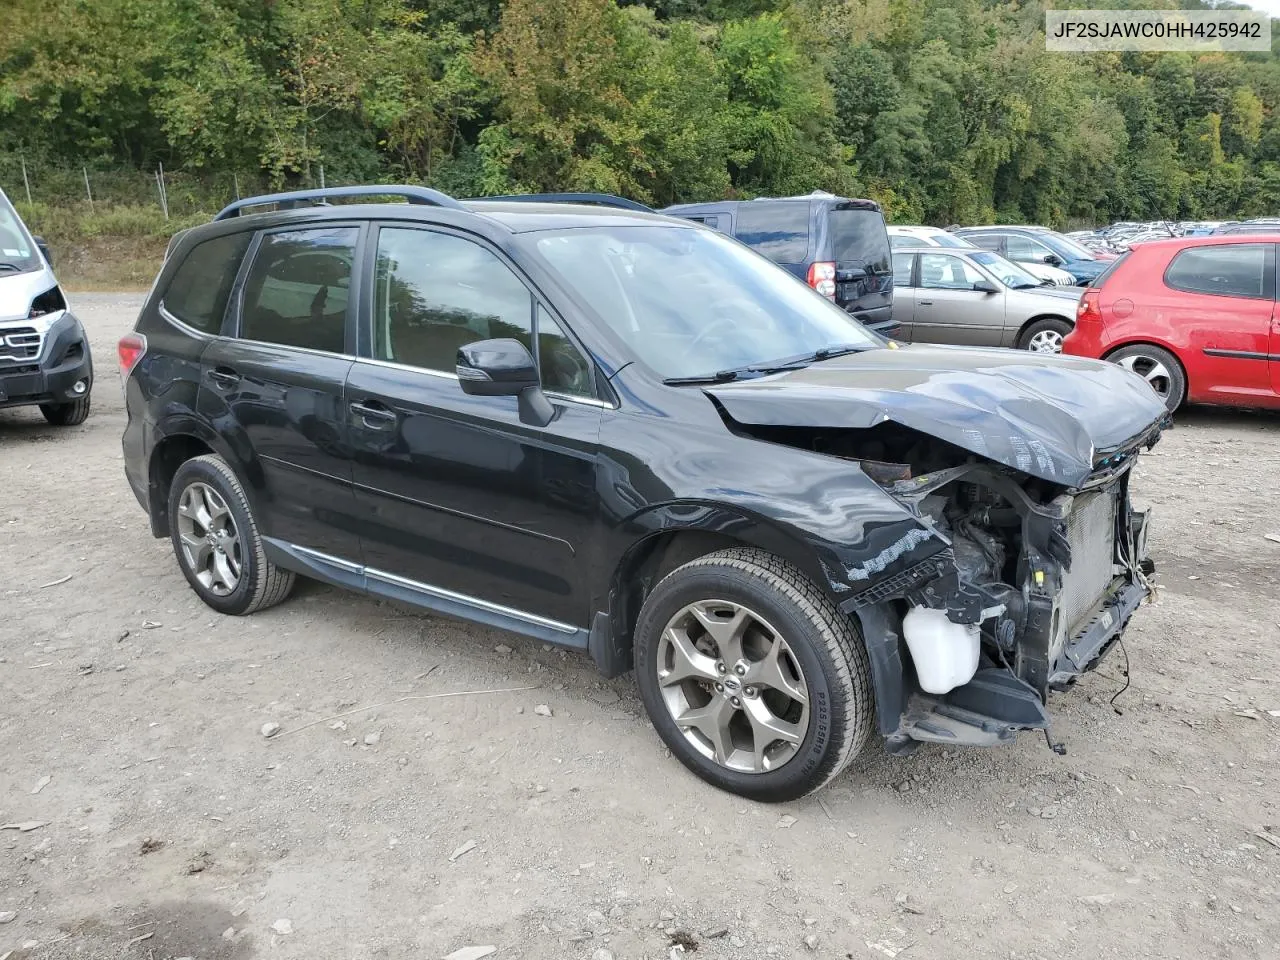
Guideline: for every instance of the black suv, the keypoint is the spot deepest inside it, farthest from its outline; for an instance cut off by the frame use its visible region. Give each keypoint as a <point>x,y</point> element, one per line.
<point>840,247</point>
<point>629,434</point>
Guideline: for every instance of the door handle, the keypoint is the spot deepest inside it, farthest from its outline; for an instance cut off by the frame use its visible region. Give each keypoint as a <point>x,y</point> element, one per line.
<point>374,417</point>
<point>224,377</point>
<point>925,303</point>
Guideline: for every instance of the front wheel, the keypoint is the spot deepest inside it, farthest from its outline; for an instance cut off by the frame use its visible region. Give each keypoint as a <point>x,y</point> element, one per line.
<point>216,540</point>
<point>751,675</point>
<point>67,414</point>
<point>1045,335</point>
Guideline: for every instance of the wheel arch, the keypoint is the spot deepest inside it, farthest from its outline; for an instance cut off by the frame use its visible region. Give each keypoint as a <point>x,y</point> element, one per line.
<point>670,536</point>
<point>1027,324</point>
<point>1164,345</point>
<point>179,440</point>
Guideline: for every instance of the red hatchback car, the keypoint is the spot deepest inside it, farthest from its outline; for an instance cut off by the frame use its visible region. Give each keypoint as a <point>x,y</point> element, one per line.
<point>1196,317</point>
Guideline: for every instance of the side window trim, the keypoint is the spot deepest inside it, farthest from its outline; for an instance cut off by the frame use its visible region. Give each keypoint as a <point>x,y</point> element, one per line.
<point>365,333</point>
<point>355,293</point>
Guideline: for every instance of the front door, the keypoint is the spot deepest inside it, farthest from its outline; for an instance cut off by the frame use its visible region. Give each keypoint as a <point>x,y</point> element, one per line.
<point>276,384</point>
<point>949,310</point>
<point>457,493</point>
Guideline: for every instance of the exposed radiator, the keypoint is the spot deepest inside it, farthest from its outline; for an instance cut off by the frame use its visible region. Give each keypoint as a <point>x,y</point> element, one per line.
<point>1091,531</point>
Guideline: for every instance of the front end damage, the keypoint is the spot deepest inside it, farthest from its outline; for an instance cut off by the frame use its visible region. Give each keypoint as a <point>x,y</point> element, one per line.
<point>1001,556</point>
<point>1048,578</point>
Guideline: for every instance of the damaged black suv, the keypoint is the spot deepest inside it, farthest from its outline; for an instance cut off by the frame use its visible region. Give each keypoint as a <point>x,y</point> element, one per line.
<point>630,434</point>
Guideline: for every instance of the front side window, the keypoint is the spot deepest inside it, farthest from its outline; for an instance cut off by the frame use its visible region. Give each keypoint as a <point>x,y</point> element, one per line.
<point>297,290</point>
<point>197,294</point>
<point>561,365</point>
<point>1027,250</point>
<point>902,264</point>
<point>435,293</point>
<point>1228,270</point>
<point>779,229</point>
<point>938,271</point>
<point>691,303</point>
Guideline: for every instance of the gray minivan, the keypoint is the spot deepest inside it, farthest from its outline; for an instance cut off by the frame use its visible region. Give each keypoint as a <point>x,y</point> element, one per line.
<point>44,352</point>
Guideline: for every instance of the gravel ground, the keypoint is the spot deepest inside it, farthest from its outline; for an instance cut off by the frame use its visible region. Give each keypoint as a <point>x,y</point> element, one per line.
<point>130,720</point>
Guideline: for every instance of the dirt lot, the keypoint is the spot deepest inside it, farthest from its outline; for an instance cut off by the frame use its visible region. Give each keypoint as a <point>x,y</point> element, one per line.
<point>130,718</point>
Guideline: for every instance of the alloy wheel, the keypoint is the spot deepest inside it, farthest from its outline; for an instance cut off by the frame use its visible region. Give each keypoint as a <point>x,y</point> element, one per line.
<point>1152,370</point>
<point>1045,341</point>
<point>210,541</point>
<point>733,686</point>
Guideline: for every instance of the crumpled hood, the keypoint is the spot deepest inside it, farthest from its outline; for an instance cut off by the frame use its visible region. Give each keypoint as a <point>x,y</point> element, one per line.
<point>1048,416</point>
<point>17,290</point>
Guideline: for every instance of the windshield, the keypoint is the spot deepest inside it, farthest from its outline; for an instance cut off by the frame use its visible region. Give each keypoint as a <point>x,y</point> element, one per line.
<point>691,303</point>
<point>1065,247</point>
<point>1007,272</point>
<point>17,252</point>
<point>858,234</point>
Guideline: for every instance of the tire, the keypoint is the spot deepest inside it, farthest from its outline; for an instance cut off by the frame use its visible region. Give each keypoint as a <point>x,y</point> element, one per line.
<point>1044,335</point>
<point>258,583</point>
<point>1160,368</point>
<point>67,414</point>
<point>821,648</point>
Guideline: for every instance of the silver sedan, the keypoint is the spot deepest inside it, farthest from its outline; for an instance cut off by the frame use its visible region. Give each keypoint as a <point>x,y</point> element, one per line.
<point>977,298</point>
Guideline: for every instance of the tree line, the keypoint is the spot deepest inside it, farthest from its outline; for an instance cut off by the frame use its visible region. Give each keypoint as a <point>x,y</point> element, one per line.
<point>947,111</point>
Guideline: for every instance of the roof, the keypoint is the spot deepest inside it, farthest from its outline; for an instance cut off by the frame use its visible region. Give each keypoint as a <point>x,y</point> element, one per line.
<point>528,217</point>
<point>516,217</point>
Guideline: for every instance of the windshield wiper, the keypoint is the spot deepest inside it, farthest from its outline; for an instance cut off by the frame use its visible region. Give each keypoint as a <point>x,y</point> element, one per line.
<point>773,366</point>
<point>10,266</point>
<point>721,376</point>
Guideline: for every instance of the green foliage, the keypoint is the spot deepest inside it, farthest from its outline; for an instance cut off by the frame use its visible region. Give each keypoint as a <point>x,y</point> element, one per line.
<point>944,110</point>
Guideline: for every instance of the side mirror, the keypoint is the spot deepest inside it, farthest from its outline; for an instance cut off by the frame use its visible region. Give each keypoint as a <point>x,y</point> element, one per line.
<point>985,286</point>
<point>44,249</point>
<point>504,368</point>
<point>1053,260</point>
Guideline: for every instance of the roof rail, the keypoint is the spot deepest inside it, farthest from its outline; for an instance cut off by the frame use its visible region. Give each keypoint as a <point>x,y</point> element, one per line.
<point>420,195</point>
<point>601,199</point>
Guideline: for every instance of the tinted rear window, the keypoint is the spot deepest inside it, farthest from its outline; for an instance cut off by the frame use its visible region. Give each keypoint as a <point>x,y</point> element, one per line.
<point>777,229</point>
<point>860,235</point>
<point>198,292</point>
<point>1229,270</point>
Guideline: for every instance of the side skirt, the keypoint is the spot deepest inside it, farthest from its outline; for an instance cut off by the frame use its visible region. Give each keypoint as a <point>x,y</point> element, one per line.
<point>355,576</point>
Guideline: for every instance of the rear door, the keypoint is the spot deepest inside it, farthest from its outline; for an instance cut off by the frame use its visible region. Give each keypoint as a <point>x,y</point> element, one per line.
<point>1224,311</point>
<point>860,246</point>
<point>949,310</point>
<point>457,493</point>
<point>778,229</point>
<point>275,384</point>
<point>904,293</point>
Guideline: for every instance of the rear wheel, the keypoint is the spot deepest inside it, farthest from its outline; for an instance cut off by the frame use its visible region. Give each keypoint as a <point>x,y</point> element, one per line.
<point>1158,367</point>
<point>67,414</point>
<point>752,676</point>
<point>216,540</point>
<point>1044,335</point>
